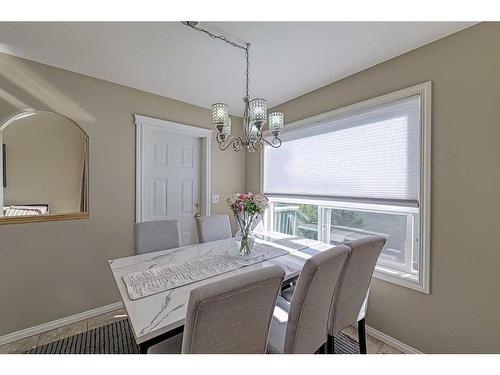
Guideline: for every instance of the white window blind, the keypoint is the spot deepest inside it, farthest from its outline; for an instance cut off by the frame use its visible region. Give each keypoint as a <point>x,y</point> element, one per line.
<point>371,154</point>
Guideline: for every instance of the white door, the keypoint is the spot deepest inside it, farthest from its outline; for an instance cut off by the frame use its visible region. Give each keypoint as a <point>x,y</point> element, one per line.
<point>171,179</point>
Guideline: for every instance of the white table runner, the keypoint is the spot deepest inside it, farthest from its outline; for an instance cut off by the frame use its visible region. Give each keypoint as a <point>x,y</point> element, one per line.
<point>159,279</point>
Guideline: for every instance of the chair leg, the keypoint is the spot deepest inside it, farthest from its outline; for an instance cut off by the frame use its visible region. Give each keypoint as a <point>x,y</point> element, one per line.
<point>322,349</point>
<point>362,336</point>
<point>330,345</point>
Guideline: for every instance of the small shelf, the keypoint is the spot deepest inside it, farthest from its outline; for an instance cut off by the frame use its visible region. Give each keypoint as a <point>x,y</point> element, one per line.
<point>41,218</point>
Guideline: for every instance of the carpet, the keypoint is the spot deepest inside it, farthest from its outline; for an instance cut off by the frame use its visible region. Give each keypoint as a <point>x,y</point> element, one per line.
<point>117,338</point>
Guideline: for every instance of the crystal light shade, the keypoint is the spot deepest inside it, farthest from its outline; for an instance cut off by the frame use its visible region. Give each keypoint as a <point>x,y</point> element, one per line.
<point>220,113</point>
<point>226,129</point>
<point>258,112</point>
<point>276,122</point>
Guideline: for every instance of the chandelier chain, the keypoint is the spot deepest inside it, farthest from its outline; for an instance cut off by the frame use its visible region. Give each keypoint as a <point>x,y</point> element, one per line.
<point>223,38</point>
<point>248,64</point>
<point>230,42</point>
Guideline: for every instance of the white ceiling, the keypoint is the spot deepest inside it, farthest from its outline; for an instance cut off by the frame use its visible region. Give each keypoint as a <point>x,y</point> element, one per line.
<point>287,59</point>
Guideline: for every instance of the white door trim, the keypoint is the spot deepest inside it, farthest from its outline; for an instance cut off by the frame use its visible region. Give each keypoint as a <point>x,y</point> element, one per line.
<point>1,173</point>
<point>206,150</point>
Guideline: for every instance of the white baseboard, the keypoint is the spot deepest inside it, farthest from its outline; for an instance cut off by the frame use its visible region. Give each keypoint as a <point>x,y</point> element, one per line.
<point>391,341</point>
<point>386,339</point>
<point>58,323</point>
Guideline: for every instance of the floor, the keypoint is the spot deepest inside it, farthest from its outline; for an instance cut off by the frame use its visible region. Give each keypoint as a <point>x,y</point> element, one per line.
<point>20,346</point>
<point>373,346</point>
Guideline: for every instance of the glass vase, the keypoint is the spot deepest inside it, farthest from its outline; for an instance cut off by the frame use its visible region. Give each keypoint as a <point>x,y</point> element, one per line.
<point>244,239</point>
<point>245,243</point>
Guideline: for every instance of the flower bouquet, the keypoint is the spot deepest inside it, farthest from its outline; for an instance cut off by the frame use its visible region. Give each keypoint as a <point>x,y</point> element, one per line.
<point>246,209</point>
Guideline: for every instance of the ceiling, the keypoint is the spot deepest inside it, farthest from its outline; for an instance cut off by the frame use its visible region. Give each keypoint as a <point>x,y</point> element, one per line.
<point>287,59</point>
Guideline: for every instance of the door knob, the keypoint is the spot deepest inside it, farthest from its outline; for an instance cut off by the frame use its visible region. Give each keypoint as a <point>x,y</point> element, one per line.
<point>197,205</point>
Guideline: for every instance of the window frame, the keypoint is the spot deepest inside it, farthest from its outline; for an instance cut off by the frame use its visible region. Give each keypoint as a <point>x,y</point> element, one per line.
<point>424,90</point>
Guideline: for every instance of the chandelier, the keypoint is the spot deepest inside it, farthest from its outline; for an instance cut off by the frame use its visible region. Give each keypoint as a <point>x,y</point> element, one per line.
<point>254,116</point>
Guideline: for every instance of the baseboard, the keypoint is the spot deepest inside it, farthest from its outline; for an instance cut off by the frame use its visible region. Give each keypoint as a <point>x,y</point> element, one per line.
<point>14,336</point>
<point>58,323</point>
<point>391,341</point>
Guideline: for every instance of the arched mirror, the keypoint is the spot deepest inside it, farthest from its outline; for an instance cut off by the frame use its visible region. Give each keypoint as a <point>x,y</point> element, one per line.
<point>43,168</point>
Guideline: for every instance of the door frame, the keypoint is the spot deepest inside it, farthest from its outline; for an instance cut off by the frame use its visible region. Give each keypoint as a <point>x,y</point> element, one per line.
<point>141,122</point>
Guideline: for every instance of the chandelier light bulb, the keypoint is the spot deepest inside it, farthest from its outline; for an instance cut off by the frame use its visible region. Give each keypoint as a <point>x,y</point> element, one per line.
<point>226,129</point>
<point>254,131</point>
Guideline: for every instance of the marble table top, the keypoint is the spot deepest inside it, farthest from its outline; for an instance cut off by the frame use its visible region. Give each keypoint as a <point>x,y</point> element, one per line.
<point>157,314</point>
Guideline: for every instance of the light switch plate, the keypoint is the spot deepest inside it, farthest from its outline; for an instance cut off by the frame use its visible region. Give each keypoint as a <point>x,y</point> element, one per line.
<point>215,198</point>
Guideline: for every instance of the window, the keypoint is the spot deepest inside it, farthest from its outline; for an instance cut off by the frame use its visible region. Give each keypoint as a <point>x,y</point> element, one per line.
<point>358,171</point>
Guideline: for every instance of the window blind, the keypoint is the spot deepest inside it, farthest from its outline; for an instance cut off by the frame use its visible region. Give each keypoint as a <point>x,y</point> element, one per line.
<point>370,154</point>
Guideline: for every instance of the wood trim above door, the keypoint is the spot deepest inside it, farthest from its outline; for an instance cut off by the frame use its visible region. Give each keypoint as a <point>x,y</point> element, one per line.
<point>206,149</point>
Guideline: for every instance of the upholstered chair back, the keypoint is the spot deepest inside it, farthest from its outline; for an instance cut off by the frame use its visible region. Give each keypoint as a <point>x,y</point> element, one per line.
<point>351,295</point>
<point>157,235</point>
<point>309,312</point>
<point>213,228</point>
<point>232,315</point>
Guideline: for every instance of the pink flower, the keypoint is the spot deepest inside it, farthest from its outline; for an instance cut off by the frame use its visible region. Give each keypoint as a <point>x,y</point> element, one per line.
<point>242,196</point>
<point>250,195</point>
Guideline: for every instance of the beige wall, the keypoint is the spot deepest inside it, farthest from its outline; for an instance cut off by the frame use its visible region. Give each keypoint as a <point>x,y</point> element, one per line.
<point>462,313</point>
<point>55,269</point>
<point>45,154</point>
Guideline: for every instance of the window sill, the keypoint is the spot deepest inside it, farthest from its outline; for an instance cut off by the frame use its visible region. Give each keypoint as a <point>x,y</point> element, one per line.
<point>400,278</point>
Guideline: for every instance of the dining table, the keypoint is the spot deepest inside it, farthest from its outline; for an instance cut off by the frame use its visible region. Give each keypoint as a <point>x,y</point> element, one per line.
<point>159,316</point>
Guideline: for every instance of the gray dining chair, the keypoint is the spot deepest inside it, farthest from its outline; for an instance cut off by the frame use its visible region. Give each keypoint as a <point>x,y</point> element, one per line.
<point>213,228</point>
<point>301,326</point>
<point>157,235</point>
<point>350,301</point>
<point>228,316</point>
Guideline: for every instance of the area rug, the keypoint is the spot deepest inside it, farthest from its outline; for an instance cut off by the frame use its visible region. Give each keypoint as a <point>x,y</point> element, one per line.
<point>117,338</point>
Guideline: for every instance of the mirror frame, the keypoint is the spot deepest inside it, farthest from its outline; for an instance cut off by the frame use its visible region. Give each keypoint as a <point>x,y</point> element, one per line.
<point>48,217</point>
